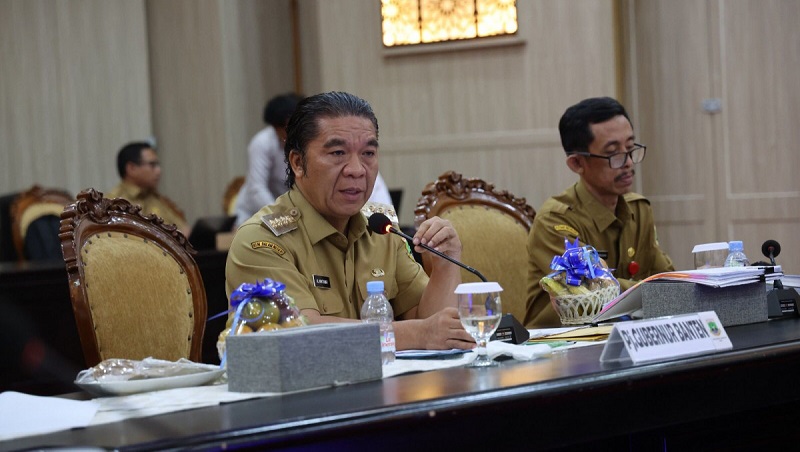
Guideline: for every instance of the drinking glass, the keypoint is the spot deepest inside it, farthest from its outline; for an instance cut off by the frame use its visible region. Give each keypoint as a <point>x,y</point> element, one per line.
<point>480,311</point>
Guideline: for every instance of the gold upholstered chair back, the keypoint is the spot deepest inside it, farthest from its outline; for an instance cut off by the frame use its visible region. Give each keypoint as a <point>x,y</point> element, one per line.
<point>136,290</point>
<point>231,195</point>
<point>32,205</point>
<point>493,228</point>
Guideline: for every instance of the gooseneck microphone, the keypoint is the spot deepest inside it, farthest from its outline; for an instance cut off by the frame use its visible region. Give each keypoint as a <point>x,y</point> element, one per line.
<point>509,330</point>
<point>771,249</point>
<point>381,224</point>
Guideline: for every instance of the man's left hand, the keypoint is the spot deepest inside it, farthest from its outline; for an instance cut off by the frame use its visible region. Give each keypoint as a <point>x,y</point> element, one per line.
<point>440,235</point>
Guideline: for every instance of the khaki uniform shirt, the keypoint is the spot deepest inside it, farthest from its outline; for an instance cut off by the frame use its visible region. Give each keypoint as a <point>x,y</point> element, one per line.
<point>151,202</point>
<point>322,268</point>
<point>621,238</point>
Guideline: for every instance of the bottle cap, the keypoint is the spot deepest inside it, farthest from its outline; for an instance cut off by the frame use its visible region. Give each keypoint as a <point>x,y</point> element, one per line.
<point>374,286</point>
<point>736,245</point>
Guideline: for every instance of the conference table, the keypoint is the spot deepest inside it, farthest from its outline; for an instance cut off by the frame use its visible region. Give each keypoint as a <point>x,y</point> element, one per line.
<point>745,398</point>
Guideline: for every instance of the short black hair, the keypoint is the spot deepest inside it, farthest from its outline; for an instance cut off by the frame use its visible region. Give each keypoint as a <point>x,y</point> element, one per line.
<point>575,125</point>
<point>131,152</point>
<point>303,125</point>
<point>279,108</point>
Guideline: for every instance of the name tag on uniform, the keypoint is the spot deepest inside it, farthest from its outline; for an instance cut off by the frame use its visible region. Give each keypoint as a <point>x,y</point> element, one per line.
<point>602,254</point>
<point>323,282</point>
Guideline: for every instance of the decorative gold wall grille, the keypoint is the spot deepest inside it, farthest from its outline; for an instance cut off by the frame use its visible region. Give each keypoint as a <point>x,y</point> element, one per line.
<point>407,22</point>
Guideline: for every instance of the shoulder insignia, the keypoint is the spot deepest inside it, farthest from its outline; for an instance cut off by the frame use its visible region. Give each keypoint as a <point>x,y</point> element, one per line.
<point>376,207</point>
<point>565,228</point>
<point>264,244</point>
<point>279,223</point>
<point>631,197</point>
<point>553,205</point>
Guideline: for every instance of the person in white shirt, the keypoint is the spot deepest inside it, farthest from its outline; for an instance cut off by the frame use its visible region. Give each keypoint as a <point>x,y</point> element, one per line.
<point>266,166</point>
<point>380,193</point>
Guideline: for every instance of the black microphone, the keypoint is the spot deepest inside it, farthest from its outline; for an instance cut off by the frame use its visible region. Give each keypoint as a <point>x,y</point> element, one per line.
<point>771,249</point>
<point>381,224</point>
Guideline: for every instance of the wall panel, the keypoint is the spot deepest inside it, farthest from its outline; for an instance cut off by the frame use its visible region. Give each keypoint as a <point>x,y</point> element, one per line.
<point>214,65</point>
<point>73,86</point>
<point>727,175</point>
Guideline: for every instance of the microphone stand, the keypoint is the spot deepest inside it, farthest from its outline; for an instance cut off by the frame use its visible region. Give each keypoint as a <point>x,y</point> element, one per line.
<point>781,303</point>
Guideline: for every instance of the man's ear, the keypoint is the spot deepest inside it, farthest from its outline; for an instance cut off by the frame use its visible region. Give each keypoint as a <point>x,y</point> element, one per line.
<point>576,163</point>
<point>130,168</point>
<point>296,162</point>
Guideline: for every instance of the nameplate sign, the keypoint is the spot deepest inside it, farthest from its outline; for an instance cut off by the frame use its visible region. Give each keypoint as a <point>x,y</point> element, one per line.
<point>643,341</point>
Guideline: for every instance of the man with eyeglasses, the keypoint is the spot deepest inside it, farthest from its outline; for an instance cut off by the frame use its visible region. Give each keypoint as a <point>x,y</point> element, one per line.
<point>140,171</point>
<point>600,209</point>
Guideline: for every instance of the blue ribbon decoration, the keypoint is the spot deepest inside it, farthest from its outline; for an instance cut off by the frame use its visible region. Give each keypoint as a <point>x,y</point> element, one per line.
<point>265,289</point>
<point>577,262</point>
<point>242,295</point>
<point>245,292</point>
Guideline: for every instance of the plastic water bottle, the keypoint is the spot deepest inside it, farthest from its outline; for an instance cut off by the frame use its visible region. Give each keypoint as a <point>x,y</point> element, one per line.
<point>378,309</point>
<point>736,257</point>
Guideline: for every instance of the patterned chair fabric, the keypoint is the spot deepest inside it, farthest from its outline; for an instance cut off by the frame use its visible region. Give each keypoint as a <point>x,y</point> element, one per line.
<point>136,290</point>
<point>493,227</point>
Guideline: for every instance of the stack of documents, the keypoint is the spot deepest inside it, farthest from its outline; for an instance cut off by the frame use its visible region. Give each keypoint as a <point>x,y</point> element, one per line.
<point>723,276</point>
<point>630,301</point>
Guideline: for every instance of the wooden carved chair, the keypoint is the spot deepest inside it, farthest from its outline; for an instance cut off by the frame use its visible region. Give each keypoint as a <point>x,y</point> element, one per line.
<point>37,209</point>
<point>493,227</point>
<point>231,194</point>
<point>136,290</point>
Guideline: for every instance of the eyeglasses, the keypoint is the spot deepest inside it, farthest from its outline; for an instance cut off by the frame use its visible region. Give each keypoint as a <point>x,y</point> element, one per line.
<point>152,163</point>
<point>618,159</point>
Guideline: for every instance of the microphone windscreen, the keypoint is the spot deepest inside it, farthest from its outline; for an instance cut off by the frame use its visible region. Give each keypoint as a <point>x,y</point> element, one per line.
<point>379,223</point>
<point>775,248</point>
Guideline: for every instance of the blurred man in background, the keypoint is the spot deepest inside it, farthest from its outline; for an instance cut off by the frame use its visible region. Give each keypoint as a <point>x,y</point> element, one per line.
<point>140,171</point>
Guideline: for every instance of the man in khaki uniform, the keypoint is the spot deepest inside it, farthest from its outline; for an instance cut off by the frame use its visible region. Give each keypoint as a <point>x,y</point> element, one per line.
<point>140,171</point>
<point>315,239</point>
<point>599,209</point>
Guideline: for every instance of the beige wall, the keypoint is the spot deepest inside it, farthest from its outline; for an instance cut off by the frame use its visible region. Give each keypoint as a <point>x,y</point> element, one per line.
<point>74,85</point>
<point>730,174</point>
<point>490,113</point>
<point>195,74</point>
<point>82,77</point>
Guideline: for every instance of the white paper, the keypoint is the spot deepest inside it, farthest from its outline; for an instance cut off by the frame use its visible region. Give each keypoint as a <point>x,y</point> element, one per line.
<point>24,415</point>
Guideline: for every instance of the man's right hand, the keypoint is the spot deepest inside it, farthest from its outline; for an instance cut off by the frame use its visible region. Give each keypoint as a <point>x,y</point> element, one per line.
<point>443,331</point>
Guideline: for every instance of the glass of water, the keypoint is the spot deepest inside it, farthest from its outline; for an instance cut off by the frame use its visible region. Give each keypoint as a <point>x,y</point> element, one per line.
<point>480,310</point>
